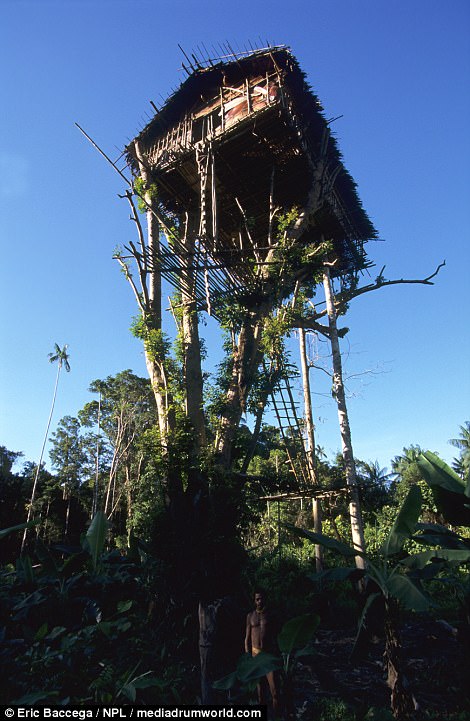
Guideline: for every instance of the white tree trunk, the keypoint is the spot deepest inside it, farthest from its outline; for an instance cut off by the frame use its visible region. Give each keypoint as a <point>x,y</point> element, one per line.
<point>310,430</point>
<point>155,365</point>
<point>357,527</point>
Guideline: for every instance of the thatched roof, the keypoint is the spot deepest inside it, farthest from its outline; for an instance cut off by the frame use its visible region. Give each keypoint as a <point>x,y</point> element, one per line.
<point>204,83</point>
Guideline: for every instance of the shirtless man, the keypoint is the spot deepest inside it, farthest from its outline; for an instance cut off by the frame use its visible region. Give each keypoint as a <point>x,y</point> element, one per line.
<point>259,637</point>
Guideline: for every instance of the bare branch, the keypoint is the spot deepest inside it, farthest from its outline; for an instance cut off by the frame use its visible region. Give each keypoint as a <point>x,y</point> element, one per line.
<point>342,299</point>
<point>131,283</point>
<point>346,296</point>
<point>142,273</point>
<point>140,231</point>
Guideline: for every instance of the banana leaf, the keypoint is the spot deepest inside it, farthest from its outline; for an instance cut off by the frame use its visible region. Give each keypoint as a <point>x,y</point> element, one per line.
<point>405,591</point>
<point>450,493</point>
<point>331,543</point>
<point>436,472</point>
<point>96,537</point>
<point>249,668</point>
<point>20,527</point>
<point>420,560</point>
<point>297,632</point>
<point>405,523</point>
<point>340,573</point>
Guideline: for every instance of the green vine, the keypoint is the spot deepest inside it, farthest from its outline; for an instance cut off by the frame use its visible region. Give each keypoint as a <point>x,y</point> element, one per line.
<point>156,343</point>
<point>276,328</point>
<point>144,193</point>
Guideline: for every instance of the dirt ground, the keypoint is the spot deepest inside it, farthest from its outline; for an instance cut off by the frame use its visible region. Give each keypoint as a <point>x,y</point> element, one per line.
<point>437,668</point>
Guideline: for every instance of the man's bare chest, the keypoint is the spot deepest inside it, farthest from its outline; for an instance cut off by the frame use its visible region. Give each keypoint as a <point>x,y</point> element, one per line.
<point>258,620</point>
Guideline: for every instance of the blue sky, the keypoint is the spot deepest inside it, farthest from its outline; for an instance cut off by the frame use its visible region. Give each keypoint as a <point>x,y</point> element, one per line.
<point>397,72</point>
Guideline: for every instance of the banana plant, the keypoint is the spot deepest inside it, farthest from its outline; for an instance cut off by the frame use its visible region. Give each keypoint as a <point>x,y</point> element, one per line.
<point>96,537</point>
<point>397,580</point>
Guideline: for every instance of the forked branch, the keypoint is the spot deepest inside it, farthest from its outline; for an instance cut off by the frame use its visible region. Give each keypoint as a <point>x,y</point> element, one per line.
<point>343,298</point>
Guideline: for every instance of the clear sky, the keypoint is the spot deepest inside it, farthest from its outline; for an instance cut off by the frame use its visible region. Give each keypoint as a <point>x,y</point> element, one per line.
<point>398,72</point>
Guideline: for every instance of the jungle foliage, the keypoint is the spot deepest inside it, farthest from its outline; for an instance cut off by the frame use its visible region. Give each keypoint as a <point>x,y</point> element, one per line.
<point>100,616</point>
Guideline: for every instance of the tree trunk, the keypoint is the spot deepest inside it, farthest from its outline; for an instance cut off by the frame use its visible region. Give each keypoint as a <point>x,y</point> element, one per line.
<point>207,631</point>
<point>67,514</point>
<point>401,700</point>
<point>257,427</point>
<point>94,508</point>
<point>38,469</point>
<point>357,527</point>
<point>310,430</point>
<point>154,352</point>
<point>154,357</point>
<point>246,359</point>
<point>193,378</point>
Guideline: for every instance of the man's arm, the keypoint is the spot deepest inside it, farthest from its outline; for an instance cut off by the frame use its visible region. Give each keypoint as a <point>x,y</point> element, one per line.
<point>248,634</point>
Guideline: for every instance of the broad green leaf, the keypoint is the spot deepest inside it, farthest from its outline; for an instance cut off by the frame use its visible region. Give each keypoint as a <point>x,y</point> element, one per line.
<point>149,682</point>
<point>405,591</point>
<point>309,650</point>
<point>297,632</point>
<point>20,527</point>
<point>326,541</point>
<point>96,536</point>
<point>250,668</point>
<point>41,632</point>
<point>419,560</point>
<point>106,627</point>
<point>341,573</point>
<point>440,539</point>
<point>437,473</point>
<point>405,523</point>
<point>450,493</point>
<point>124,606</point>
<point>32,599</point>
<point>226,683</point>
<point>129,691</point>
<point>429,571</point>
<point>369,601</point>
<point>56,632</point>
<point>362,620</point>
<point>436,535</point>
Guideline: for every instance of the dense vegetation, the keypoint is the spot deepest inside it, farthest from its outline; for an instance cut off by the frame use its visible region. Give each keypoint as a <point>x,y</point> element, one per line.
<point>106,615</point>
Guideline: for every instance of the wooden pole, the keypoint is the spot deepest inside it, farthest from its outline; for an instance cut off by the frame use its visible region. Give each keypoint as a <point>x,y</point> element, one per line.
<point>310,451</point>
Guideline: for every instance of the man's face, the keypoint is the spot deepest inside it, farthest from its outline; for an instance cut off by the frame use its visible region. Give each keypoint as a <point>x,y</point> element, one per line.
<point>259,601</point>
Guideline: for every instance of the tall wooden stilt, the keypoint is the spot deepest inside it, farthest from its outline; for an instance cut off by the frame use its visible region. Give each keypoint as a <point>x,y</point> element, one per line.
<point>310,430</point>
<point>357,527</point>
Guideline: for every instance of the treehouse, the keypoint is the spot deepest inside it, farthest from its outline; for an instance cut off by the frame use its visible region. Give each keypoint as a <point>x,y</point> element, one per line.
<point>238,147</point>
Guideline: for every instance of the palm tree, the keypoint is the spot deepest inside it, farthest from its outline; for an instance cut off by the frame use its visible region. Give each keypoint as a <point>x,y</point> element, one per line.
<point>373,473</point>
<point>462,464</point>
<point>60,355</point>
